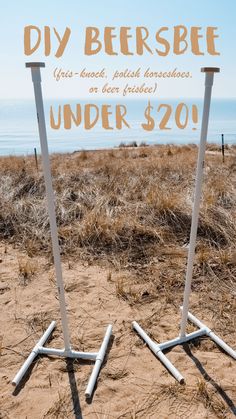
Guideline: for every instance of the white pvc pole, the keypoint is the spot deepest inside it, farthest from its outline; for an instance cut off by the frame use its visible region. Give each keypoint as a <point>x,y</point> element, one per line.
<point>209,77</point>
<point>36,78</point>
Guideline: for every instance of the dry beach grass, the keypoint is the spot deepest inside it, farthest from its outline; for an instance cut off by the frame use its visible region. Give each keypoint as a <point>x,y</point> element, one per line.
<point>124,219</point>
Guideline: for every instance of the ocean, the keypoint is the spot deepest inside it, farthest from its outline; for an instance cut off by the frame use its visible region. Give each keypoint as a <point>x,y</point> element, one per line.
<point>19,133</point>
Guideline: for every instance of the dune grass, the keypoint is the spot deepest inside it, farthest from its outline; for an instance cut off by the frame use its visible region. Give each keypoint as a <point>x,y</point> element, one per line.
<point>125,207</point>
<point>117,203</point>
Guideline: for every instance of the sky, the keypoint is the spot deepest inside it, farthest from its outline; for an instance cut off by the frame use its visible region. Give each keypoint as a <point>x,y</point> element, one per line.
<point>152,14</point>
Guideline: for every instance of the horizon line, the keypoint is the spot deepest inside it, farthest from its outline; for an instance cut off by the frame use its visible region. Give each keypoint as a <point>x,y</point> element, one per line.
<point>120,98</point>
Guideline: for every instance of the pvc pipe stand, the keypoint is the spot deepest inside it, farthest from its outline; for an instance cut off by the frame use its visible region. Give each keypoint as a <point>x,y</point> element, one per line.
<point>39,349</point>
<point>157,348</point>
<point>203,330</point>
<point>67,352</point>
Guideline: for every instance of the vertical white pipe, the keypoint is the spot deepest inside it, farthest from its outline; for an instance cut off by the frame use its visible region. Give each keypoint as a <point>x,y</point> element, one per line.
<point>209,76</point>
<point>36,78</point>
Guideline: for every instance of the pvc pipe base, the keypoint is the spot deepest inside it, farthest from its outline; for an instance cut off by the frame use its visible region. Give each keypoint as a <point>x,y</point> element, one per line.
<point>39,349</point>
<point>157,348</point>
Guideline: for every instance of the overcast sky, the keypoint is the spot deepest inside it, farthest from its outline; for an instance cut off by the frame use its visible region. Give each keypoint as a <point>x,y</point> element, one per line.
<point>77,15</point>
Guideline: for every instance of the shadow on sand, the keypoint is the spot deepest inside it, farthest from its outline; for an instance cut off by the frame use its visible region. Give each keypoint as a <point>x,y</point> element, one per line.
<point>210,380</point>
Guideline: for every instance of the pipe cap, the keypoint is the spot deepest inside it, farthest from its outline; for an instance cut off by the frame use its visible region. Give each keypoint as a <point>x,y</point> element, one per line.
<point>210,70</point>
<point>35,64</point>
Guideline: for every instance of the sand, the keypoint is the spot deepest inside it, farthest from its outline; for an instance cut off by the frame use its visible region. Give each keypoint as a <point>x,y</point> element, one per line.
<point>132,382</point>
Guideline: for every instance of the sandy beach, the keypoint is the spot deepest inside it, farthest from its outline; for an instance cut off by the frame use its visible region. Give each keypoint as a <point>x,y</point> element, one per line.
<point>124,219</point>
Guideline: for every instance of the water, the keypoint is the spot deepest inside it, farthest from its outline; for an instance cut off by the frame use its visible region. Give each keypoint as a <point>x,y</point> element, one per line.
<point>19,135</point>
